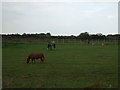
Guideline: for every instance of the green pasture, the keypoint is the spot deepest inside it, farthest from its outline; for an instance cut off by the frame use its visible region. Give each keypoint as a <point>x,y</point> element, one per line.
<point>70,65</point>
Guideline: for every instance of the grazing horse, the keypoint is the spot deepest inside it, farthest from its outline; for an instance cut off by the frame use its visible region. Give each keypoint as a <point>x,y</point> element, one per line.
<point>51,45</point>
<point>34,56</point>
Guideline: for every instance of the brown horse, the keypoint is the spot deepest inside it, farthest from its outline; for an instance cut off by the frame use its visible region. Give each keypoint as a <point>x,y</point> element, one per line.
<point>34,56</point>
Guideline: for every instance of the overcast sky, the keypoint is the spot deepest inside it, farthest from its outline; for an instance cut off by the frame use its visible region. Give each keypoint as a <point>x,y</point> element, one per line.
<point>60,18</point>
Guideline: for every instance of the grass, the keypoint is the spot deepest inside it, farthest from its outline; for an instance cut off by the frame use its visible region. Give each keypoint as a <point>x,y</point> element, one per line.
<point>69,66</point>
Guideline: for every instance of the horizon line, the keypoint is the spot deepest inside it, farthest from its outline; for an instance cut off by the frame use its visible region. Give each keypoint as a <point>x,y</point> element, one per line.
<point>59,34</point>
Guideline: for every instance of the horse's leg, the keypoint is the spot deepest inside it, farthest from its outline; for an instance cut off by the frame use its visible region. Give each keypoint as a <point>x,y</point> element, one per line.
<point>32,60</point>
<point>48,47</point>
<point>51,47</point>
<point>54,46</point>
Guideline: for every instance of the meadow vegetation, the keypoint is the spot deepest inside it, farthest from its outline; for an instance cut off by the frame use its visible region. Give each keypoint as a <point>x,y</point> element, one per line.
<point>70,65</point>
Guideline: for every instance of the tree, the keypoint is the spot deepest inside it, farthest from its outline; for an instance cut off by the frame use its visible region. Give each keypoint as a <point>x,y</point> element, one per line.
<point>99,34</point>
<point>24,34</point>
<point>84,35</point>
<point>48,34</point>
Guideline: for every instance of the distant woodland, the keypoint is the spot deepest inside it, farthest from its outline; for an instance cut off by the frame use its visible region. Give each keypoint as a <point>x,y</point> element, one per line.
<point>47,37</point>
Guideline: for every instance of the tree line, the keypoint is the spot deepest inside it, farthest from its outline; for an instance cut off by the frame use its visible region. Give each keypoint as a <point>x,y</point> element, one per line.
<point>81,36</point>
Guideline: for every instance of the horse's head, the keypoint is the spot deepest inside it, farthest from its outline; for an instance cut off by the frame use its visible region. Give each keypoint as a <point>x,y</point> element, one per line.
<point>43,58</point>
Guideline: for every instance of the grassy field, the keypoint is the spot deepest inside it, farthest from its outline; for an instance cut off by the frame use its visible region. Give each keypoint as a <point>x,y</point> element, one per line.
<point>69,66</point>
